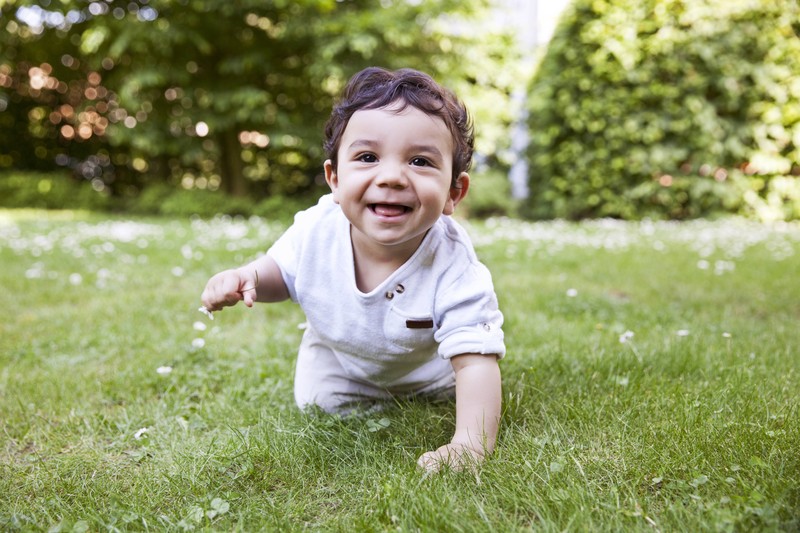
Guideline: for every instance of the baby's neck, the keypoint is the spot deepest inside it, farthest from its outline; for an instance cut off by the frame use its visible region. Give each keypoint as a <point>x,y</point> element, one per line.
<point>368,277</point>
<point>374,264</point>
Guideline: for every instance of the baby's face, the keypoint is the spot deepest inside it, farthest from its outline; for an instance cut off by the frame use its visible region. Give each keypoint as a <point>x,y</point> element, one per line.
<point>394,175</point>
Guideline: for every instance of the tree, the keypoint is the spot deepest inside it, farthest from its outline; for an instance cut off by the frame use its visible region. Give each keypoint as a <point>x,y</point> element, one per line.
<point>44,103</point>
<point>234,94</point>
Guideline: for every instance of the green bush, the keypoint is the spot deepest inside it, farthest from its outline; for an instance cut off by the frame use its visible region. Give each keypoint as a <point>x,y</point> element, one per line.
<point>60,191</point>
<point>204,203</point>
<point>150,199</point>
<point>668,108</point>
<point>281,207</point>
<point>53,190</point>
<point>489,195</point>
<point>163,199</point>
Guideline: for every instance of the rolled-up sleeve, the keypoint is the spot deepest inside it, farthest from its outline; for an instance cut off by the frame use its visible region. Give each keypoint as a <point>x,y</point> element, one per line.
<point>470,320</point>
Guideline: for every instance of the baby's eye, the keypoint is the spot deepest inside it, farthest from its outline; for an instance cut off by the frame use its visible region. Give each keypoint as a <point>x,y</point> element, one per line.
<point>420,162</point>
<point>367,158</point>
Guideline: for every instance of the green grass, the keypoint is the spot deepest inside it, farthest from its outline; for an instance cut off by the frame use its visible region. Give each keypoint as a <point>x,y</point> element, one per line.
<point>689,425</point>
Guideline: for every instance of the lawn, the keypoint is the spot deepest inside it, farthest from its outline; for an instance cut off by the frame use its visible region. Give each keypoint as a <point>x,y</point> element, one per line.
<point>651,384</point>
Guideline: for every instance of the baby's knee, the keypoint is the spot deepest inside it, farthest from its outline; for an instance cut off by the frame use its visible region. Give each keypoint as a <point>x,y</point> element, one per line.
<point>333,404</point>
<point>317,404</point>
<point>337,396</point>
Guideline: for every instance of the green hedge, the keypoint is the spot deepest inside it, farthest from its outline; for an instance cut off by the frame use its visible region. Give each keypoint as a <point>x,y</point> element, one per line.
<point>165,200</point>
<point>488,196</point>
<point>668,109</point>
<point>174,202</point>
<point>50,191</point>
<point>61,191</point>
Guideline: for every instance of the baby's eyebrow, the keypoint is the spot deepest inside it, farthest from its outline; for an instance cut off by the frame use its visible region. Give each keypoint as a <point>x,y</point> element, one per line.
<point>363,143</point>
<point>426,149</point>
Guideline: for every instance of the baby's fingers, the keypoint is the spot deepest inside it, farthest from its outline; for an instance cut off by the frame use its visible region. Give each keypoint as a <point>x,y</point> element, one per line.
<point>430,462</point>
<point>216,300</point>
<point>456,457</point>
<point>249,296</point>
<point>249,286</point>
<point>221,291</point>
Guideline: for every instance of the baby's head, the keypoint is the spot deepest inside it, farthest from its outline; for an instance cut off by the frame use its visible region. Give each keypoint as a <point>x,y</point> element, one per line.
<point>376,88</point>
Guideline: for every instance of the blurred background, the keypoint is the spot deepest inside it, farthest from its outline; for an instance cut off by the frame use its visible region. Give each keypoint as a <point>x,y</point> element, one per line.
<point>630,109</point>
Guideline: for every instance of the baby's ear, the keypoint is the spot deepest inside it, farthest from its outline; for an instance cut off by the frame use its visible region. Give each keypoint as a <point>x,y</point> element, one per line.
<point>457,193</point>
<point>332,179</point>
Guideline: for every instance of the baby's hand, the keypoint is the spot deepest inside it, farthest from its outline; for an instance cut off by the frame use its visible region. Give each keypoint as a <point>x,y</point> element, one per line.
<point>229,287</point>
<point>456,456</point>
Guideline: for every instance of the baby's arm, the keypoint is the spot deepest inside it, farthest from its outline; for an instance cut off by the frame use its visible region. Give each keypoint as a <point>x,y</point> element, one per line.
<point>258,281</point>
<point>478,400</point>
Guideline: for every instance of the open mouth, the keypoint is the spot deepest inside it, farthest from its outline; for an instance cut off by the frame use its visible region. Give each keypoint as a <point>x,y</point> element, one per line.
<point>389,210</point>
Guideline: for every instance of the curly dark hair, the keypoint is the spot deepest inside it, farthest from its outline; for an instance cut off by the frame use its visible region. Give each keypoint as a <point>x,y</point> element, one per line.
<point>375,87</point>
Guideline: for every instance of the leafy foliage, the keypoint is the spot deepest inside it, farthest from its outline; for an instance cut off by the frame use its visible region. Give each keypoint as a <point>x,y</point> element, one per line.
<point>50,191</point>
<point>489,195</point>
<point>677,108</point>
<point>212,94</point>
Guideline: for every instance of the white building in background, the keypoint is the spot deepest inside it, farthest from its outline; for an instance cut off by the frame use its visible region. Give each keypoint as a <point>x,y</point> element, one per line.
<point>533,21</point>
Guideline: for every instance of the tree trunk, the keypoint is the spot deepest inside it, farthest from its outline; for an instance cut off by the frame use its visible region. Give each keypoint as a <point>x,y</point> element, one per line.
<point>230,164</point>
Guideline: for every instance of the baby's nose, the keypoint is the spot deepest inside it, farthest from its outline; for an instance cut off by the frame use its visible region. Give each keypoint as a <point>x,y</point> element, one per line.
<point>392,175</point>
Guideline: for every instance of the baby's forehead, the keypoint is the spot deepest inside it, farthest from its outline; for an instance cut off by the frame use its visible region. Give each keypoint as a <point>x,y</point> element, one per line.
<point>400,112</point>
<point>400,107</point>
<point>396,122</point>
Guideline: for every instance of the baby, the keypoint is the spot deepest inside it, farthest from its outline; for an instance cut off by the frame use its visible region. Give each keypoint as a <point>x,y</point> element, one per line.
<point>396,301</point>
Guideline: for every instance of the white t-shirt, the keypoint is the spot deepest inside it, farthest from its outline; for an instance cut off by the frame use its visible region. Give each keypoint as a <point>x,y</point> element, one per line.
<point>439,304</point>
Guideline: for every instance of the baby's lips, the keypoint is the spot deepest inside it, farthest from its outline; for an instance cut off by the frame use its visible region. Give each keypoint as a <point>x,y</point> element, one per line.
<point>389,210</point>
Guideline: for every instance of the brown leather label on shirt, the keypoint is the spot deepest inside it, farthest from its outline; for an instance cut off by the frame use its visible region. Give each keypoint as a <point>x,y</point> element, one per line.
<point>419,324</point>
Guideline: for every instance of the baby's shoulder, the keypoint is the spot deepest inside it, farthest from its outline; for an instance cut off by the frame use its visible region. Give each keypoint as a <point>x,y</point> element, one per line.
<point>324,207</point>
<point>451,257</point>
<point>317,218</point>
<point>452,240</point>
